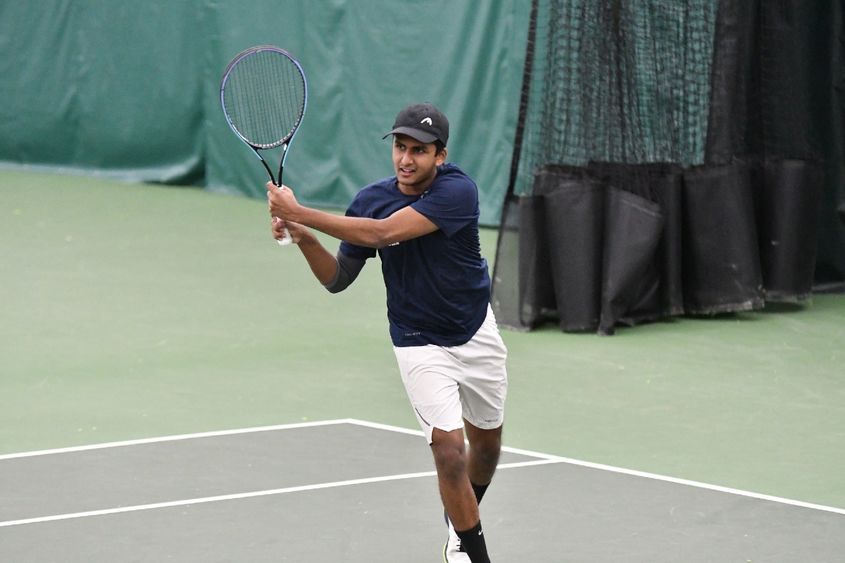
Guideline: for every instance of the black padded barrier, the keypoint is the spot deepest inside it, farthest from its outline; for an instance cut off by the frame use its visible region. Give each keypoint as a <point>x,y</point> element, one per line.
<point>787,193</point>
<point>721,259</point>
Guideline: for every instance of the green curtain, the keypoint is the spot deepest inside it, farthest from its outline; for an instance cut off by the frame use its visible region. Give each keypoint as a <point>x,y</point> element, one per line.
<point>131,89</point>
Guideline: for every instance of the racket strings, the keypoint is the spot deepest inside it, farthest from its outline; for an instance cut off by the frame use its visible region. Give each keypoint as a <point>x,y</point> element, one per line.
<point>264,98</point>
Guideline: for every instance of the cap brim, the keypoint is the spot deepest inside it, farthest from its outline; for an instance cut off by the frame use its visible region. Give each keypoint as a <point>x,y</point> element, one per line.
<point>421,136</point>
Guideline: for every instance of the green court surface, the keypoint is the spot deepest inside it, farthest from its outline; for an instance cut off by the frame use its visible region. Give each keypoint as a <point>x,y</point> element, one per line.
<point>133,311</point>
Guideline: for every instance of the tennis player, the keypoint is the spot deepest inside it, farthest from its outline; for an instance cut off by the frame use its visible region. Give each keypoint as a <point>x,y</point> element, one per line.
<point>423,224</point>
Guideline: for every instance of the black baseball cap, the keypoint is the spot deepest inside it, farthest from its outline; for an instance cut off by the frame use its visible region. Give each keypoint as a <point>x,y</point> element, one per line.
<point>423,122</point>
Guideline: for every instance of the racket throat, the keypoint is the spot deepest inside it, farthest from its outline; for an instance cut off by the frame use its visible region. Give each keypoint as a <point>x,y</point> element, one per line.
<point>276,179</point>
<point>282,164</point>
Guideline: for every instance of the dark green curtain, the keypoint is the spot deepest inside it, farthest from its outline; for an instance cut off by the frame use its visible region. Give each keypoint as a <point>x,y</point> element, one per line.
<point>131,89</point>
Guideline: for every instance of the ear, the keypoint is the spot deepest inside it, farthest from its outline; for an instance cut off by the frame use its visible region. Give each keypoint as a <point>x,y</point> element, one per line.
<point>440,157</point>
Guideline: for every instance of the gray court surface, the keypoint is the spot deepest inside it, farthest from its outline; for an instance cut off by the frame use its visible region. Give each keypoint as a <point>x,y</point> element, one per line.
<point>351,491</point>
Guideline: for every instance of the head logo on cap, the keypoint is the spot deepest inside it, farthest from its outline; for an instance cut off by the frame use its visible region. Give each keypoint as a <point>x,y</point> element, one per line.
<point>427,121</point>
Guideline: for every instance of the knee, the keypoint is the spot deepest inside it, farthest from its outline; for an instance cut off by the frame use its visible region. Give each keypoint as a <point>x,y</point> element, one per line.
<point>449,458</point>
<point>487,450</point>
<point>488,454</point>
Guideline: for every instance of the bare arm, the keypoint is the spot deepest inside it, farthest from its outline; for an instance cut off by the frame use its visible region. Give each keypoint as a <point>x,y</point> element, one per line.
<point>402,225</point>
<point>322,263</point>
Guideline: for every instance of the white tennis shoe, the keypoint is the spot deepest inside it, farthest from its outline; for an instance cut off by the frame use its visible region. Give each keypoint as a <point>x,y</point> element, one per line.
<point>452,551</point>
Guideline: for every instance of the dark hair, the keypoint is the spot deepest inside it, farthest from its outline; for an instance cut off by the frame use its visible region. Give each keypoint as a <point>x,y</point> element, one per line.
<point>438,146</point>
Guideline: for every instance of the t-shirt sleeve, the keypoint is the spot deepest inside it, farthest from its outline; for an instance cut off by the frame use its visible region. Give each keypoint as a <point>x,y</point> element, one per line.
<point>451,205</point>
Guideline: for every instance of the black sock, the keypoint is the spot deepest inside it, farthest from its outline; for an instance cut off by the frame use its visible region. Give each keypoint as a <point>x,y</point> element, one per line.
<point>479,491</point>
<point>472,542</point>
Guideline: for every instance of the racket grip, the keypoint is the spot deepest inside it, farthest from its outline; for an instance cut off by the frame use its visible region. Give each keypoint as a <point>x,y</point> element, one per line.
<point>286,239</point>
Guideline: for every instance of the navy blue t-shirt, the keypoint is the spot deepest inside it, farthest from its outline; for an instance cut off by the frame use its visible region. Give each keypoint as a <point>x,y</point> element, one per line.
<point>438,286</point>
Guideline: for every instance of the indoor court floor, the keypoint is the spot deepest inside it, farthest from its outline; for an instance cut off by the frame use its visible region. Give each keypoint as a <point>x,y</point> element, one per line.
<point>174,386</point>
<point>354,491</point>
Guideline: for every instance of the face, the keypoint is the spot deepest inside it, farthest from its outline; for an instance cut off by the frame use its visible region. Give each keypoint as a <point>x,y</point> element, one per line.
<point>415,163</point>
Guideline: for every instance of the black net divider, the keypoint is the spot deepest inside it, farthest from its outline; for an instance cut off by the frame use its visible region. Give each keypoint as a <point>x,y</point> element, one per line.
<point>574,242</point>
<point>614,244</point>
<point>721,261</point>
<point>787,195</point>
<point>673,157</point>
<point>510,279</point>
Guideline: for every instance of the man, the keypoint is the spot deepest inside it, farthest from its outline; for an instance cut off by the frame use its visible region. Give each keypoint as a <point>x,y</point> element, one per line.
<point>423,224</point>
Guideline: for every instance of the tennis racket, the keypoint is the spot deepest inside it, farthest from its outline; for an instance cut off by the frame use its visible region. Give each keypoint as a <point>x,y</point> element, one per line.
<point>264,95</point>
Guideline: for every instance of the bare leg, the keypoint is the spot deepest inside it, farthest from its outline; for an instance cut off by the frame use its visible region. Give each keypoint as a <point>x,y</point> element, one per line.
<point>485,446</point>
<point>450,459</point>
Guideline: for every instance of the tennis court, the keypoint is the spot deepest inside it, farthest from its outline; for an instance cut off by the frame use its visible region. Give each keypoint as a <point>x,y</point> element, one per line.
<point>268,494</point>
<point>138,313</point>
<point>661,201</point>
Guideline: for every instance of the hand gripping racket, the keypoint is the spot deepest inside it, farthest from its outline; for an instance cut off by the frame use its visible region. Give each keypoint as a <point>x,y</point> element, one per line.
<point>264,94</point>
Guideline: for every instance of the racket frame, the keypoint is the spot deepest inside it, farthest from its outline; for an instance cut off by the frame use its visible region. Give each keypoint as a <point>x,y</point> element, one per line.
<point>285,141</point>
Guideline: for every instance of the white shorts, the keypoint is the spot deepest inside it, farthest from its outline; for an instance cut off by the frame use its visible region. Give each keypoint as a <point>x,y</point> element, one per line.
<point>447,384</point>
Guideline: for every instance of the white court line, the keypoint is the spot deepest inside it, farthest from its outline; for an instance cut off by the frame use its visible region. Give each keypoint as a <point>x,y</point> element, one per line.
<point>543,459</point>
<point>380,426</point>
<point>218,498</point>
<point>237,496</point>
<point>177,437</point>
<point>609,468</point>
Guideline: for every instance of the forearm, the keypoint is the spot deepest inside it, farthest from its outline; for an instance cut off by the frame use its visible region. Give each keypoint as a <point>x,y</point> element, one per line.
<point>322,263</point>
<point>361,231</point>
<point>401,225</point>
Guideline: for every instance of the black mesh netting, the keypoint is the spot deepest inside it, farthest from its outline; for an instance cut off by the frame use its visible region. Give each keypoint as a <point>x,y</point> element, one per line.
<point>672,157</point>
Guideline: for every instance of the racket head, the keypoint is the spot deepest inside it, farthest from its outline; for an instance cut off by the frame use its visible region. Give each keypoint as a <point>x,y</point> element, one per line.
<point>264,95</point>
